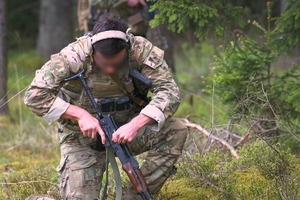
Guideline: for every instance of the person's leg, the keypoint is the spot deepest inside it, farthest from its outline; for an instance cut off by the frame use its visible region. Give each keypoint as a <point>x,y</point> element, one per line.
<point>81,170</point>
<point>164,148</point>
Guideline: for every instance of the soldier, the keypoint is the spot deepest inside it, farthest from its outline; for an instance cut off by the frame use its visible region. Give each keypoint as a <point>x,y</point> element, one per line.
<point>135,13</point>
<point>105,55</point>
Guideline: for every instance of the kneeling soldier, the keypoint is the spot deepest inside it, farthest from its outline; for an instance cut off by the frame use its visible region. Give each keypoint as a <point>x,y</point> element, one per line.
<point>107,56</point>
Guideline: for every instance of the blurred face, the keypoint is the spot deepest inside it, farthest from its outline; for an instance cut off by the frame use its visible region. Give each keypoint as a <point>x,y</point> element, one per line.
<point>110,65</point>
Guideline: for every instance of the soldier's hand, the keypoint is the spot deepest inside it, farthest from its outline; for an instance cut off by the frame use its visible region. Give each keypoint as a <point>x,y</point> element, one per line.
<point>90,126</point>
<point>125,133</point>
<point>129,131</point>
<point>133,3</point>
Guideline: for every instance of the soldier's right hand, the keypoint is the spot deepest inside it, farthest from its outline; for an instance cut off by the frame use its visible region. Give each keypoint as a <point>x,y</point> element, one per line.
<point>90,126</point>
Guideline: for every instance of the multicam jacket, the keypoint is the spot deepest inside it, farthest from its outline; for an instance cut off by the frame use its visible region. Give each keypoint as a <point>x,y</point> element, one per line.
<point>49,95</point>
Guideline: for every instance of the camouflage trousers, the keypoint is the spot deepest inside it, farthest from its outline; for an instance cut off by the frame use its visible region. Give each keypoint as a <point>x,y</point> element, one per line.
<point>81,168</point>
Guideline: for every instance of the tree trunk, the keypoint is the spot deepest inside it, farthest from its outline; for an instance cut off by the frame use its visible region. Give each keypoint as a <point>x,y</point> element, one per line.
<point>56,26</point>
<point>3,57</point>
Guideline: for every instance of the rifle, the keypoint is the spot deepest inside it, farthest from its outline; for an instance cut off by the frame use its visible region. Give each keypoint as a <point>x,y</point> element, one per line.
<point>109,126</point>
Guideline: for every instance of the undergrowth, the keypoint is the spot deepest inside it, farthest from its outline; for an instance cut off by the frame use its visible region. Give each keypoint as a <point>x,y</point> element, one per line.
<point>260,173</point>
<point>29,150</point>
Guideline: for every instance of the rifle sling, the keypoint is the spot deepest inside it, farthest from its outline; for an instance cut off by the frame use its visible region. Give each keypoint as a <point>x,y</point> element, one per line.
<point>110,158</point>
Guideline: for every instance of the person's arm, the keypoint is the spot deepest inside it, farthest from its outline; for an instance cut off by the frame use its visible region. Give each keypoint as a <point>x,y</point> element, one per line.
<point>41,97</point>
<point>88,124</point>
<point>166,95</point>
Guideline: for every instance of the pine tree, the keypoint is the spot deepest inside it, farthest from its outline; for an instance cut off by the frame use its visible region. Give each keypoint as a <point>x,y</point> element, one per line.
<point>243,76</point>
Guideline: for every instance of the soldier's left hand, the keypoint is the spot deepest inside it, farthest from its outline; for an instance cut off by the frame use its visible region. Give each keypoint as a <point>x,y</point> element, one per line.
<point>126,133</point>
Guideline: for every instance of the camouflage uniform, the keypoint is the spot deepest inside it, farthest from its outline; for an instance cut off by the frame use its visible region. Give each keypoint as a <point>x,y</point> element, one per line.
<point>81,168</point>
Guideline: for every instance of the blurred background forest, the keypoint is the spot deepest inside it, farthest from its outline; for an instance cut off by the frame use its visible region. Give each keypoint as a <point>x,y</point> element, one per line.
<point>237,64</point>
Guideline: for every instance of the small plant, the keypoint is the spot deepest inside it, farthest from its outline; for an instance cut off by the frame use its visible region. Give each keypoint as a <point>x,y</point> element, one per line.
<point>260,96</point>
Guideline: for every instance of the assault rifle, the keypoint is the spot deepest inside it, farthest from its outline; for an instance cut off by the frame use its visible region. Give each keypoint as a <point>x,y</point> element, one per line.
<point>109,126</point>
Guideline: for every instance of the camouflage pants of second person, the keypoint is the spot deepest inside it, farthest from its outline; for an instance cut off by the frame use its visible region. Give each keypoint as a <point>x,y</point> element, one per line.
<point>81,168</point>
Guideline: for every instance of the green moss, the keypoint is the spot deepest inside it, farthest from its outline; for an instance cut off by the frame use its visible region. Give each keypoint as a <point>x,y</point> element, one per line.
<point>251,183</point>
<point>29,172</point>
<point>185,189</point>
<point>262,172</point>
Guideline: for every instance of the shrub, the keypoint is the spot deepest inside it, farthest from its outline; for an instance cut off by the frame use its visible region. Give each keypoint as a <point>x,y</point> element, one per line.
<point>263,172</point>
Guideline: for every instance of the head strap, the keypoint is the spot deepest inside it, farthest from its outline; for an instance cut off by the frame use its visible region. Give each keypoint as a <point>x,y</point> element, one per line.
<point>108,35</point>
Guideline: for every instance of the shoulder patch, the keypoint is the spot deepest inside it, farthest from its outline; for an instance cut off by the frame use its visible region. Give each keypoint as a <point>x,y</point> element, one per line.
<point>155,58</point>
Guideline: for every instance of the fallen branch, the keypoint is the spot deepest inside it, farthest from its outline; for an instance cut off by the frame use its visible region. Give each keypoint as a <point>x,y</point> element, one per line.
<point>242,139</point>
<point>230,133</point>
<point>208,134</point>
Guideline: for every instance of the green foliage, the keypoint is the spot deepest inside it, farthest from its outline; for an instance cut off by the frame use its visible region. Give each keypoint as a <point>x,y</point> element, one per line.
<point>262,172</point>
<point>288,81</point>
<point>243,74</point>
<point>240,72</point>
<point>209,18</point>
<point>244,77</point>
<point>287,31</point>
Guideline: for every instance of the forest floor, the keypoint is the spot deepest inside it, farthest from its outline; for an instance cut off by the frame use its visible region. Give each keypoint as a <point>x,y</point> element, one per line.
<point>29,151</point>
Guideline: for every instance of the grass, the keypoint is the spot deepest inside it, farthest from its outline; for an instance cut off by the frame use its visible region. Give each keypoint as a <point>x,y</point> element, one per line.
<point>29,149</point>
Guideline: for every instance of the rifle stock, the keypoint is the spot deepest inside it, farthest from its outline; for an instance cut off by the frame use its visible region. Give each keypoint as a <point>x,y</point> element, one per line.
<point>136,178</point>
<point>132,177</point>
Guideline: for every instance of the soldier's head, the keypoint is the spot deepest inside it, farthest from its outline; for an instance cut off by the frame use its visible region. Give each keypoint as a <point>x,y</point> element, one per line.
<point>110,54</point>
